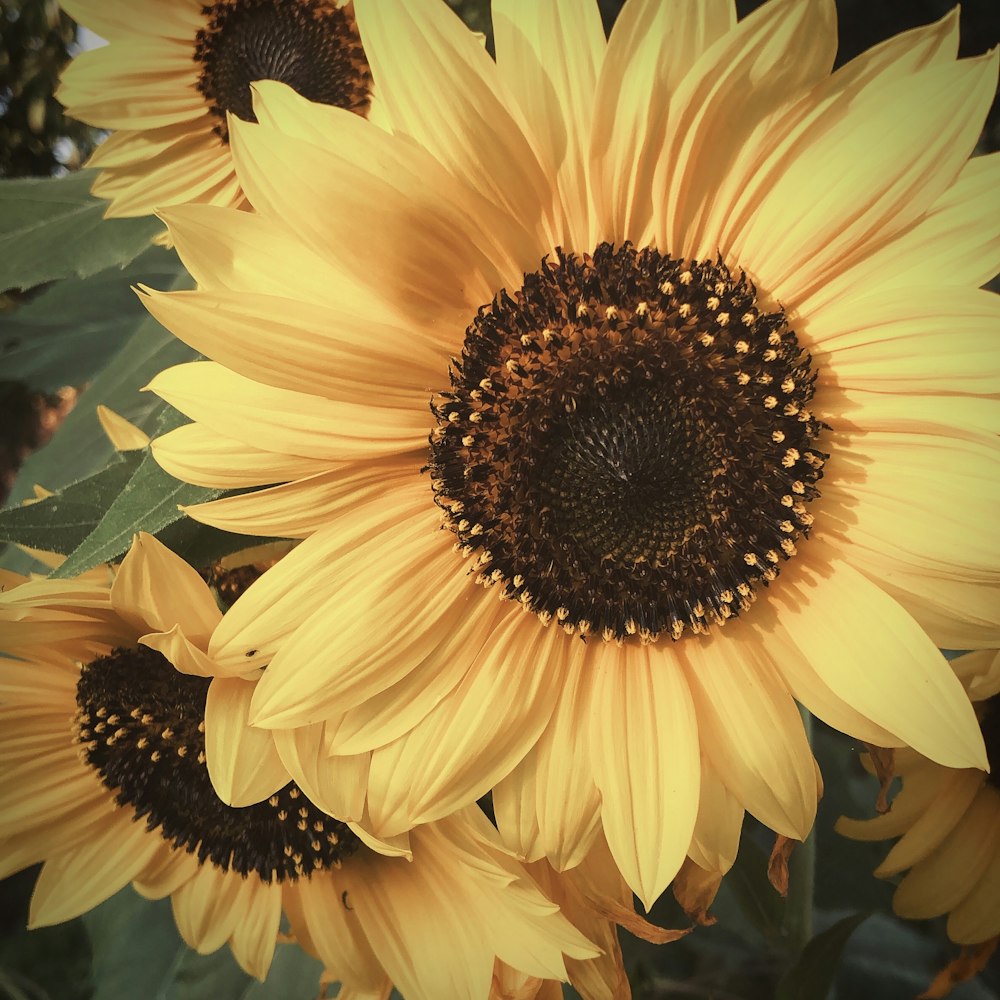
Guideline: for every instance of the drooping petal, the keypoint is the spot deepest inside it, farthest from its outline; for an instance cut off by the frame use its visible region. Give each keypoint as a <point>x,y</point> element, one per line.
<point>156,590</point>
<point>751,731</point>
<point>243,762</point>
<point>644,749</point>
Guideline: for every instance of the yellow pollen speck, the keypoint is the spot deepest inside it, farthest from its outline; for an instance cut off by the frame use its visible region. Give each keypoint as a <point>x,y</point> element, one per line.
<point>102,712</point>
<point>511,365</point>
<point>611,312</point>
<point>476,394</point>
<point>477,529</point>
<point>463,525</point>
<point>453,417</point>
<point>293,793</point>
<point>167,734</point>
<point>722,319</point>
<point>562,614</point>
<point>742,377</point>
<point>770,402</point>
<point>585,627</point>
<point>485,384</point>
<point>742,347</point>
<point>182,751</point>
<point>475,417</point>
<point>713,303</point>
<point>727,597</point>
<point>302,825</point>
<point>677,629</point>
<point>630,627</point>
<point>155,756</point>
<point>201,756</point>
<point>142,743</point>
<point>113,720</point>
<point>771,555</point>
<point>788,547</point>
<point>201,726</point>
<point>100,727</point>
<point>135,713</point>
<point>806,519</point>
<point>667,288</point>
<point>496,576</point>
<point>581,310</point>
<point>282,815</point>
<point>526,340</point>
<point>686,277</point>
<point>569,628</point>
<point>684,310</point>
<point>743,589</point>
<point>770,574</point>
<point>777,436</point>
<point>787,527</point>
<point>468,441</point>
<point>518,580</point>
<point>798,486</point>
<point>747,318</point>
<point>787,501</point>
<point>545,617</point>
<point>273,801</point>
<point>769,354</point>
<point>750,559</point>
<point>288,850</point>
<point>706,340</point>
<point>641,309</point>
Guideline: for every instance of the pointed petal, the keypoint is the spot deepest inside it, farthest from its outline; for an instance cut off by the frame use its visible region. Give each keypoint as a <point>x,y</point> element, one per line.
<point>751,730</point>
<point>892,674</point>
<point>862,166</point>
<point>156,590</point>
<point>651,49</point>
<point>284,421</point>
<point>477,733</point>
<point>430,69</point>
<point>644,750</point>
<point>336,784</point>
<point>548,57</point>
<point>243,762</point>
<point>123,434</point>
<point>91,872</point>
<point>325,908</point>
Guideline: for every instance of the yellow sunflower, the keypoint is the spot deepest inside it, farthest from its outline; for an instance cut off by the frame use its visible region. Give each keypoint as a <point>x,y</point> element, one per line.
<point>112,734</point>
<point>173,71</point>
<point>693,328</point>
<point>948,822</point>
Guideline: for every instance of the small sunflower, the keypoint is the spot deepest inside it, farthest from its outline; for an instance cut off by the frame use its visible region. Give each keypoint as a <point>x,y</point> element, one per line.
<point>174,71</point>
<point>948,822</point>
<point>112,733</point>
<point>678,337</point>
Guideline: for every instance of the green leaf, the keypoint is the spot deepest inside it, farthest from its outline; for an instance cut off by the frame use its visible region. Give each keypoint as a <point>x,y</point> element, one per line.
<point>812,976</point>
<point>62,522</point>
<point>80,447</point>
<point>147,502</point>
<point>69,332</point>
<point>138,953</point>
<point>54,228</point>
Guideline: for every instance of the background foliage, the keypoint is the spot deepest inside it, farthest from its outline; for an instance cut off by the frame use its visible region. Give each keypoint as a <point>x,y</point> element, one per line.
<point>68,318</point>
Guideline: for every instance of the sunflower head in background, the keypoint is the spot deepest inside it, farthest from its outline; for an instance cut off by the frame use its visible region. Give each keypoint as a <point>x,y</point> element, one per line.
<point>117,743</point>
<point>625,392</point>
<point>173,72</point>
<point>948,825</point>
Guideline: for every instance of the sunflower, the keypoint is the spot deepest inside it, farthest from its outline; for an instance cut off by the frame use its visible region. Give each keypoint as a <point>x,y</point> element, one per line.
<point>112,734</point>
<point>948,822</point>
<point>709,376</point>
<point>174,71</point>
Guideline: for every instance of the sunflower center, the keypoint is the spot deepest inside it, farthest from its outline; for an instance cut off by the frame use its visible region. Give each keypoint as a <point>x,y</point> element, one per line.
<point>989,720</point>
<point>312,45</point>
<point>627,447</point>
<point>141,726</point>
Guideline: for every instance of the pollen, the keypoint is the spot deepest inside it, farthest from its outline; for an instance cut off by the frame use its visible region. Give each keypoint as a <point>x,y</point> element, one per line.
<point>628,480</point>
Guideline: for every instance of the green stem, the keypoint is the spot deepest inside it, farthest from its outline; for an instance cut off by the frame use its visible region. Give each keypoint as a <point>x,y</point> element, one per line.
<point>801,879</point>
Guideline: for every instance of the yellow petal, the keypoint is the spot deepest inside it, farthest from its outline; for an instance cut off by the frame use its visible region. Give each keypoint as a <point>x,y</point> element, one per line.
<point>125,436</point>
<point>644,751</point>
<point>243,762</point>
<point>156,590</point>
